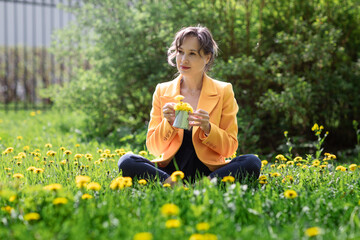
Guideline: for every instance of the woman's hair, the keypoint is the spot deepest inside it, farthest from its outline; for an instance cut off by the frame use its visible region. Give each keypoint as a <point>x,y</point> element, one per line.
<point>207,43</point>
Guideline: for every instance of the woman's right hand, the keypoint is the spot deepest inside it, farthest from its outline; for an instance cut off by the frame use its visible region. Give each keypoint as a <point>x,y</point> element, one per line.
<point>169,112</point>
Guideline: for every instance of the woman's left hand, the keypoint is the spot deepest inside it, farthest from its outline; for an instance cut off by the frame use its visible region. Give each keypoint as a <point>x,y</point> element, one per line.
<point>200,118</point>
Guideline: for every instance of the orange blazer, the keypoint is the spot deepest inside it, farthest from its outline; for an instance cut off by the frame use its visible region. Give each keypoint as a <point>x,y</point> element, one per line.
<point>217,98</point>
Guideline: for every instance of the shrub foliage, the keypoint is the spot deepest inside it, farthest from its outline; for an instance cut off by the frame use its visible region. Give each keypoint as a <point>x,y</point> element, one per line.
<point>292,63</point>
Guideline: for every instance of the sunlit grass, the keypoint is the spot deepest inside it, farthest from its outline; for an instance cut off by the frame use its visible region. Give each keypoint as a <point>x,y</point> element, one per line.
<point>43,197</point>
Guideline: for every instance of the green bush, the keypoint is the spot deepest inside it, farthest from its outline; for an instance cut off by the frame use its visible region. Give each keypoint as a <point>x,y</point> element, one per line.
<point>291,63</point>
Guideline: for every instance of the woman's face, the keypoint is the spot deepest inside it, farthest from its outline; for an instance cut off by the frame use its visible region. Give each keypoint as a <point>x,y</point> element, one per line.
<point>188,60</point>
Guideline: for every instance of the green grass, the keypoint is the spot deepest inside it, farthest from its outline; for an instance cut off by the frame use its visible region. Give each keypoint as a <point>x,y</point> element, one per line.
<point>326,198</point>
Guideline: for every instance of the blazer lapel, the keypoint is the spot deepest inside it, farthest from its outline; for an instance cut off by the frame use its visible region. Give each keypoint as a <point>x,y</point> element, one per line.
<point>209,96</point>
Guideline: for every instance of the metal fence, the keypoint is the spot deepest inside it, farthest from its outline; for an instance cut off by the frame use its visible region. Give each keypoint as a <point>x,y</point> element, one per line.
<point>26,65</point>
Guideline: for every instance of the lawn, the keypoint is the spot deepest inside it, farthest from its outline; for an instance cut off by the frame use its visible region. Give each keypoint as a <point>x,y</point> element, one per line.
<point>55,185</point>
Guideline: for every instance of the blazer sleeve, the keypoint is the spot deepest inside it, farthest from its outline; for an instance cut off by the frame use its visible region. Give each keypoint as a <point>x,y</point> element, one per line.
<point>223,138</point>
<point>160,131</point>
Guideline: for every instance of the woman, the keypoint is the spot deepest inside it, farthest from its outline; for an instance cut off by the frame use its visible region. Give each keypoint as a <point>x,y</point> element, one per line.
<point>213,126</point>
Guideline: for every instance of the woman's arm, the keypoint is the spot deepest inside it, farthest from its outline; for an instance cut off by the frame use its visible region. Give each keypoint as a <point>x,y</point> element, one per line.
<point>160,131</point>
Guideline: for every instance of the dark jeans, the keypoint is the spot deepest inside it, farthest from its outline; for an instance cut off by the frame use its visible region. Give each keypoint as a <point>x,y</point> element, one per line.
<point>240,167</point>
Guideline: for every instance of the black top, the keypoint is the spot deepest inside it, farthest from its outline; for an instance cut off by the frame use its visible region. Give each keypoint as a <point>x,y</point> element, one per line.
<point>186,159</point>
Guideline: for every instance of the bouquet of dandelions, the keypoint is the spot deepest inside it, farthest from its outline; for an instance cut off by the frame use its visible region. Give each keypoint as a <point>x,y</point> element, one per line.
<point>182,110</point>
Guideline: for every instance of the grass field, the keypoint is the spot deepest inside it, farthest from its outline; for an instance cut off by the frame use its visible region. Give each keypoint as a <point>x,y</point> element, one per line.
<point>53,186</point>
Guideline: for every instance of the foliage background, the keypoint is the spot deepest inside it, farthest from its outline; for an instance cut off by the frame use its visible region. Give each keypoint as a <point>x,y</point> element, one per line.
<point>292,63</point>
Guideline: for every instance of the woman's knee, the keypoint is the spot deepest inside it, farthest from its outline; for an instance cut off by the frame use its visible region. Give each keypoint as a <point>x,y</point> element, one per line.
<point>251,163</point>
<point>125,160</point>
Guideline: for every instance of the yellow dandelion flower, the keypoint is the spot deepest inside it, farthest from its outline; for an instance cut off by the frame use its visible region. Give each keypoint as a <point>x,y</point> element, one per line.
<point>93,186</point>
<point>322,166</point>
<point>183,106</point>
<point>340,168</point>
<point>100,151</point>
<point>48,145</point>
<point>304,166</point>
<point>143,153</point>
<point>353,167</point>
<point>7,169</point>
<point>53,187</point>
<point>316,162</point>
<point>38,170</point>
<point>32,114</point>
<point>263,182</point>
<point>78,156</point>
<point>264,162</point>
<point>9,150</point>
<point>315,128</point>
<point>67,152</point>
<point>62,149</point>
<point>290,163</point>
<point>18,175</point>
<point>12,198</point>
<point>172,223</point>
<point>143,236</point>
<point>209,236</point>
<point>262,177</point>
<point>298,159</point>
<point>275,174</point>
<point>51,153</point>
<point>60,201</point>
<point>228,179</point>
<point>196,236</point>
<point>203,226</point>
<point>290,194</point>
<point>63,162</point>
<point>81,181</point>
<point>26,148</point>
<point>170,209</point>
<point>86,196</point>
<point>31,216</point>
<point>177,176</point>
<point>127,181</point>
<point>77,145</point>
<point>313,231</point>
<point>166,185</point>
<point>117,184</point>
<point>31,169</point>
<point>280,157</point>
<point>142,182</point>
<point>179,97</point>
<point>19,138</point>
<point>272,165</point>
<point>7,209</point>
